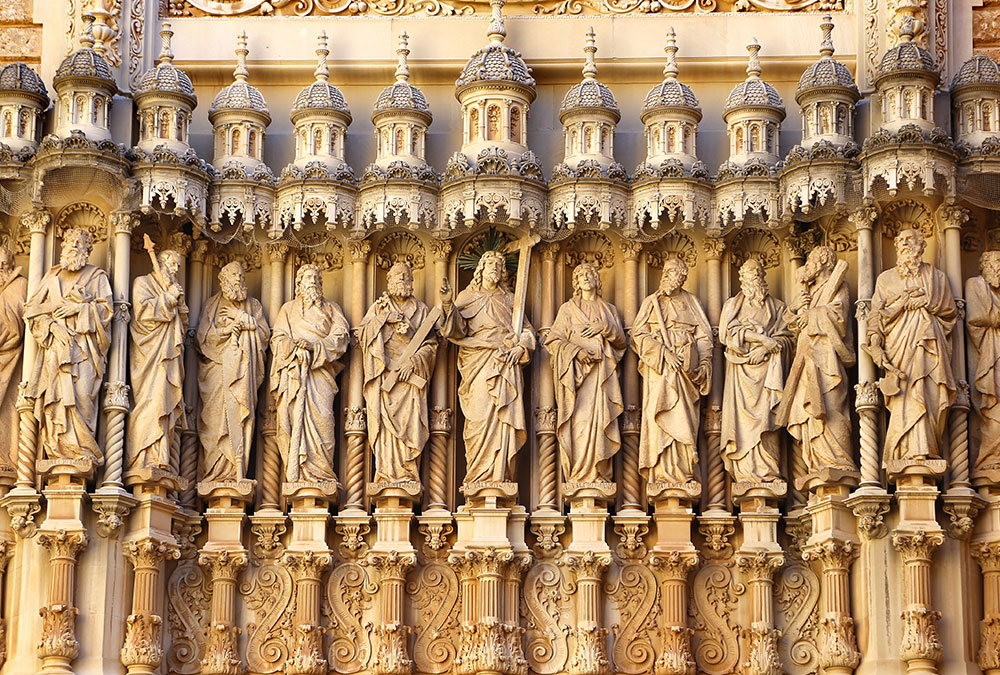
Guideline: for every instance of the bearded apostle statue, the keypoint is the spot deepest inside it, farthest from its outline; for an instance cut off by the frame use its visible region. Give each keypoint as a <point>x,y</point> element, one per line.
<point>909,335</point>
<point>982,298</point>
<point>158,327</point>
<point>814,406</point>
<point>396,373</point>
<point>756,338</point>
<point>490,358</point>
<point>310,335</point>
<point>673,339</point>
<point>69,315</point>
<point>232,340</point>
<point>13,289</point>
<point>586,342</point>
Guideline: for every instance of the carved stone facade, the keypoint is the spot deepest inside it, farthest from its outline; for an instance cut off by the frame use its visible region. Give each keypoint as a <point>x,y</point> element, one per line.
<point>627,362</point>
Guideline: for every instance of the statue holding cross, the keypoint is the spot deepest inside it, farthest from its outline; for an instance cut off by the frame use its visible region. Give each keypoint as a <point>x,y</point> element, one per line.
<point>495,342</point>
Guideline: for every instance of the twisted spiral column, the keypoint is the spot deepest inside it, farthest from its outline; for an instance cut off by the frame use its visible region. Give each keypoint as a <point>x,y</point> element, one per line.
<point>545,415</point>
<point>189,437</point>
<point>630,392</point>
<point>270,484</point>
<point>716,479</point>
<point>866,400</point>
<point>715,248</point>
<point>355,412</point>
<point>440,428</point>
<point>951,219</point>
<point>115,407</point>
<point>545,427</point>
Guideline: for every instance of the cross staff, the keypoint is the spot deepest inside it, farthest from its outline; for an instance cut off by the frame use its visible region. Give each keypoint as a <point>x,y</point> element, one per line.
<point>523,246</point>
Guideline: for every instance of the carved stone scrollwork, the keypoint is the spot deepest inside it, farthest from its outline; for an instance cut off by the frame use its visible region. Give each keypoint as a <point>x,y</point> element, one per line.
<point>434,598</point>
<point>544,610</point>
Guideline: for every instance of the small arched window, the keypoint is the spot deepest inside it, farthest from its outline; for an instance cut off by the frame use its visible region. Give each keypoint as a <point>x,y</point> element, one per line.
<point>234,142</point>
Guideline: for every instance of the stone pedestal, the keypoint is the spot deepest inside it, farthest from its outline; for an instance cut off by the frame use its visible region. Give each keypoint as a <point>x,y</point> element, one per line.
<point>674,556</point>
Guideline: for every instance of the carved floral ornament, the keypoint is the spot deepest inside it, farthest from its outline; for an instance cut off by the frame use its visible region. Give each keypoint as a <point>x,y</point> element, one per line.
<point>458,7</point>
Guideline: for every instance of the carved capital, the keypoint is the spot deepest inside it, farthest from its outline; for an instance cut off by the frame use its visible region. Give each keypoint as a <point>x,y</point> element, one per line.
<point>267,538</point>
<point>180,242</point>
<point>762,651</point>
<point>123,222</point>
<point>549,251</point>
<point>354,420</point>
<point>62,544</point>
<point>142,641</point>
<point>360,250</point>
<point>36,222</point>
<point>865,396</point>
<point>149,553</point>
<point>588,565</point>
<point>838,644</point>
<point>714,247</point>
<point>631,249</point>
<point>393,565</point>
<point>307,565</point>
<point>717,532</point>
<point>440,420</point>
<point>920,635</point>
<point>917,546</point>
<point>435,533</point>
<point>277,251</point>
<point>116,395</point>
<point>306,656</point>
<point>631,533</point>
<point>547,532</point>
<point>199,251</point>
<point>545,420</point>
<point>759,566</point>
<point>223,564</point>
<point>676,657</point>
<point>674,565</point>
<point>987,554</point>
<point>863,218</point>
<point>221,651</point>
<point>835,555</point>
<point>952,216</point>
<point>590,656</point>
<point>440,250</point>
<point>631,420</point>
<point>352,533</point>
<point>59,632</point>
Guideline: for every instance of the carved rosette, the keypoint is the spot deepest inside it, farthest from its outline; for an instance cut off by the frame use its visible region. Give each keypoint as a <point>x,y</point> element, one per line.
<point>142,641</point>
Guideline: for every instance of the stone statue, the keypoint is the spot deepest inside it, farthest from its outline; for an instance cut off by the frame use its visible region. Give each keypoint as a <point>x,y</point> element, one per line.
<point>13,289</point>
<point>310,336</point>
<point>909,335</point>
<point>158,327</point>
<point>69,315</point>
<point>395,380</point>
<point>586,342</point>
<point>982,297</point>
<point>232,339</point>
<point>814,406</point>
<point>756,338</point>
<point>673,339</point>
<point>490,357</point>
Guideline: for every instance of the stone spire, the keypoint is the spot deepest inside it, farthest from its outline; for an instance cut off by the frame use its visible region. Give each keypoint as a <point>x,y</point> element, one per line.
<point>826,46</point>
<point>402,69</point>
<point>753,66</point>
<point>496,31</point>
<point>241,73</point>
<point>87,36</point>
<point>166,55</point>
<point>322,73</point>
<point>590,65</point>
<point>670,69</point>
<point>101,31</point>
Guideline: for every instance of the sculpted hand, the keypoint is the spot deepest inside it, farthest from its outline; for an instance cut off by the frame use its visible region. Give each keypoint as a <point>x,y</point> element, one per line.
<point>918,302</point>
<point>757,355</point>
<point>594,329</point>
<point>405,372</point>
<point>771,345</point>
<point>302,344</point>
<point>447,296</point>
<point>513,357</point>
<point>63,311</point>
<point>672,360</point>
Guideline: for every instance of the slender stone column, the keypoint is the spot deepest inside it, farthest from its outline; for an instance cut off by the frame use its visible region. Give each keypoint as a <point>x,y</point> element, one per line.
<point>761,637</point>
<point>676,657</point>
<point>355,419</point>
<point>715,481</point>
<point>630,367</point>
<point>391,656</point>
<point>271,464</point>
<point>22,503</point>
<point>116,400</point>
<point>440,413</point>
<point>589,657</point>
<point>464,564</point>
<point>921,647</point>
<point>189,437</point>
<point>838,645</point>
<point>142,652</point>
<point>545,415</point>
<point>58,646</point>
<point>222,642</point>
<point>6,552</point>
<point>513,575</point>
<point>867,394</point>
<point>987,554</point>
<point>306,652</point>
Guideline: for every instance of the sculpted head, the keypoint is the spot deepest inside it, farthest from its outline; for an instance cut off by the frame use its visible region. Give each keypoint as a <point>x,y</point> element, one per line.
<point>399,281</point>
<point>233,282</point>
<point>675,273</point>
<point>309,285</point>
<point>586,278</point>
<point>910,246</point>
<point>491,270</point>
<point>821,260</point>
<point>76,247</point>
<point>753,282</point>
<point>170,262</point>
<point>989,266</point>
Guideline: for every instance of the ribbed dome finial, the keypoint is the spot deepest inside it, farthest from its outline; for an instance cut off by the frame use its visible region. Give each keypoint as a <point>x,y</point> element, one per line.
<point>166,55</point>
<point>100,30</point>
<point>241,73</point>
<point>322,72</point>
<point>402,51</point>
<point>87,37</point>
<point>753,67</point>
<point>496,31</point>
<point>589,50</point>
<point>670,70</point>
<point>826,46</point>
